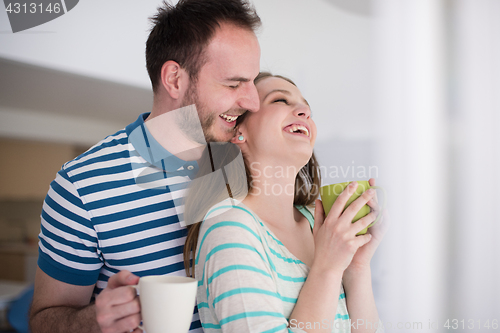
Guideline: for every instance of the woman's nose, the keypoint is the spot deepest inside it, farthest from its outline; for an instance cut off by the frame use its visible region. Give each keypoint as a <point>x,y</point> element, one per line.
<point>303,111</point>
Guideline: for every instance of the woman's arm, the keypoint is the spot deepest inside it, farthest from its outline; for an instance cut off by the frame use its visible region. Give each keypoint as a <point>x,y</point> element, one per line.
<point>317,303</point>
<point>335,245</point>
<point>358,279</point>
<point>360,301</point>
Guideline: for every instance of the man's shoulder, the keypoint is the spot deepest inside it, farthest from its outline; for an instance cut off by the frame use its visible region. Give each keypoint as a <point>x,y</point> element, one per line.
<point>112,147</point>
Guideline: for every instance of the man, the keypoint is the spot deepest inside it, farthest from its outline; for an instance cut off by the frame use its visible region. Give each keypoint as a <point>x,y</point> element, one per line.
<point>103,224</point>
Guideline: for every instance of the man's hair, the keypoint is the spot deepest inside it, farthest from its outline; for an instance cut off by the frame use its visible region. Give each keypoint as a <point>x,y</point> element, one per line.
<point>181,33</point>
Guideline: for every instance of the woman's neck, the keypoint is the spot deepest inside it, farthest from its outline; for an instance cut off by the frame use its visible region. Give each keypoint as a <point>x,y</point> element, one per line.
<point>272,193</point>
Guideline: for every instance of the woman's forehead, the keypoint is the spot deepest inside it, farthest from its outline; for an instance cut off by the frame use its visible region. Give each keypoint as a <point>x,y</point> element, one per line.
<point>269,84</point>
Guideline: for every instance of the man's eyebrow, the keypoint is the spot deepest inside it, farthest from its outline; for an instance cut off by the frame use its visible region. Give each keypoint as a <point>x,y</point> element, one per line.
<point>286,92</point>
<point>239,79</point>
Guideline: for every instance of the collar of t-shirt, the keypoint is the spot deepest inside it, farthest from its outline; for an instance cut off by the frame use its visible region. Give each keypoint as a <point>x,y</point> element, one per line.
<point>154,153</point>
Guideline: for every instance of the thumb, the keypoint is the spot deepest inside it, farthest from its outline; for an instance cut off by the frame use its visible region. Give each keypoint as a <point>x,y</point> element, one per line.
<point>122,278</point>
<point>319,216</point>
<point>361,240</point>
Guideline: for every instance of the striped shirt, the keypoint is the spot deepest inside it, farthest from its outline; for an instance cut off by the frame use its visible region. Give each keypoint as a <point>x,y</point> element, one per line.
<point>116,207</point>
<point>248,281</point>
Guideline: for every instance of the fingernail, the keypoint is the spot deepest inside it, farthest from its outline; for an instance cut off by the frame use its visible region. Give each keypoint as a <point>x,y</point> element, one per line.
<point>371,191</point>
<point>353,184</point>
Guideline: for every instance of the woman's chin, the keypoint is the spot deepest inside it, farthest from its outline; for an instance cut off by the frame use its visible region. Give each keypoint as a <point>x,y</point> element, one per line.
<point>304,152</point>
<point>297,157</point>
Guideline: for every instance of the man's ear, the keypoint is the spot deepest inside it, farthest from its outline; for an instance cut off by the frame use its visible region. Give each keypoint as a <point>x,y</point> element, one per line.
<point>174,79</point>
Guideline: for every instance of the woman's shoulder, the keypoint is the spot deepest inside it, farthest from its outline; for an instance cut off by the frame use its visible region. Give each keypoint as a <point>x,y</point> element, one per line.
<point>230,212</point>
<point>229,222</point>
<point>230,209</point>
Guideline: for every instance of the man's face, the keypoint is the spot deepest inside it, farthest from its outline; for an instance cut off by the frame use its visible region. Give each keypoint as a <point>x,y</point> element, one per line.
<point>224,89</point>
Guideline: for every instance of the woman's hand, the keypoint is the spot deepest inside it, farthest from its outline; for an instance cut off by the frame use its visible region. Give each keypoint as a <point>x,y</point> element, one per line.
<point>335,237</point>
<point>364,254</point>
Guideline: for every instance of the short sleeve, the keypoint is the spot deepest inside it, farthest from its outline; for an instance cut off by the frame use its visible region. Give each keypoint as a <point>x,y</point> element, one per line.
<point>68,246</point>
<point>237,289</point>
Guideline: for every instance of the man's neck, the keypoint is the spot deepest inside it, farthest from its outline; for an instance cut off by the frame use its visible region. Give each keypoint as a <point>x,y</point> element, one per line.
<point>163,125</point>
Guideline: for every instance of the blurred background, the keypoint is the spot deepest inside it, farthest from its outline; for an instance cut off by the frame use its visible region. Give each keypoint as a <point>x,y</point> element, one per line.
<point>407,92</point>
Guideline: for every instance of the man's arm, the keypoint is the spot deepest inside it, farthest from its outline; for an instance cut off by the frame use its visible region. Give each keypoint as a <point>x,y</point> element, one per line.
<point>61,307</point>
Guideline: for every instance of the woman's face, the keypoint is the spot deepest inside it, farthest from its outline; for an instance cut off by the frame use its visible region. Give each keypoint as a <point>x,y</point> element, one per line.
<point>282,129</point>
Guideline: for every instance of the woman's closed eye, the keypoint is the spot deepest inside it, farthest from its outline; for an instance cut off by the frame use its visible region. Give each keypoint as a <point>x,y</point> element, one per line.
<point>281,100</point>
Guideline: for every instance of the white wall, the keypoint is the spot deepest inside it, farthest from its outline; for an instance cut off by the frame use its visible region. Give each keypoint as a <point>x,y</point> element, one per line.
<point>103,39</point>
<point>323,48</point>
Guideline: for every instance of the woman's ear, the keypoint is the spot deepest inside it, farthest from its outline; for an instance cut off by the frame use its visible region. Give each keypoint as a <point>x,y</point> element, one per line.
<point>238,137</point>
<point>173,79</point>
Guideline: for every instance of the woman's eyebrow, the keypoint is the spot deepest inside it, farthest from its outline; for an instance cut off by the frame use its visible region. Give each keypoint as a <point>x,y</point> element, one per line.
<point>286,92</point>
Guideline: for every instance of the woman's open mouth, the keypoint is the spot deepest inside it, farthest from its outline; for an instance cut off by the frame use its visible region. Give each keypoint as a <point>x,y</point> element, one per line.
<point>297,129</point>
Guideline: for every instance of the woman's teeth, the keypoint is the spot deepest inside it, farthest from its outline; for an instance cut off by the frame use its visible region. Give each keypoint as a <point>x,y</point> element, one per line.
<point>300,128</point>
<point>227,118</point>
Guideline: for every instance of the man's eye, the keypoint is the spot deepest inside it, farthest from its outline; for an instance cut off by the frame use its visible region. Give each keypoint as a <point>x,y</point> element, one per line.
<point>234,87</point>
<point>280,100</point>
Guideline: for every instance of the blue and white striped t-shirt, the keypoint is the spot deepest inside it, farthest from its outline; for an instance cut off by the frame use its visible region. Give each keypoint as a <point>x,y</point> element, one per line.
<point>116,207</point>
<point>248,281</point>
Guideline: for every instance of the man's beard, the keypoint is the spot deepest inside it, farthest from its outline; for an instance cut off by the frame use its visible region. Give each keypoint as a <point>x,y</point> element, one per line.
<point>189,122</point>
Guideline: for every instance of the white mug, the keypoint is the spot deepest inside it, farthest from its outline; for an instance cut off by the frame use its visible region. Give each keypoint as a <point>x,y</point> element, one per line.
<point>167,303</point>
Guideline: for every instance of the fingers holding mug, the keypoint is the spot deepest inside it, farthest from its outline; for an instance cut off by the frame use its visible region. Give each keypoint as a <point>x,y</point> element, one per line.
<point>372,182</point>
<point>373,204</point>
<point>349,202</point>
<point>380,228</point>
<point>340,203</point>
<point>352,210</point>
<point>363,223</point>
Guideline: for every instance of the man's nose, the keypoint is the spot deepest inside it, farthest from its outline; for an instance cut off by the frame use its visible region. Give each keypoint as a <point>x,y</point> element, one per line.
<point>250,98</point>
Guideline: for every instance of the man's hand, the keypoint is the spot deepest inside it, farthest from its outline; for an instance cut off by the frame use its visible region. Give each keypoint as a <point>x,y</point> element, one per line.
<point>117,307</point>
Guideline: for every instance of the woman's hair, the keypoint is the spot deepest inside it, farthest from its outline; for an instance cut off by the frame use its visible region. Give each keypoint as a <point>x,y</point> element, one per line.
<point>205,192</point>
<point>265,75</point>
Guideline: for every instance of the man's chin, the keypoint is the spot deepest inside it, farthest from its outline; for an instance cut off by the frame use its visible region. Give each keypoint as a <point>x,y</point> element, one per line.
<point>219,137</point>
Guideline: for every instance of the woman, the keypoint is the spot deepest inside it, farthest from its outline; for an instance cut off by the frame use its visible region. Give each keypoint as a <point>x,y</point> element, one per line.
<point>259,266</point>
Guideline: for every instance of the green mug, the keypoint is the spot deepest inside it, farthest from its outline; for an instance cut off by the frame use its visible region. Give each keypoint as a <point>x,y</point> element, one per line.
<point>330,193</point>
